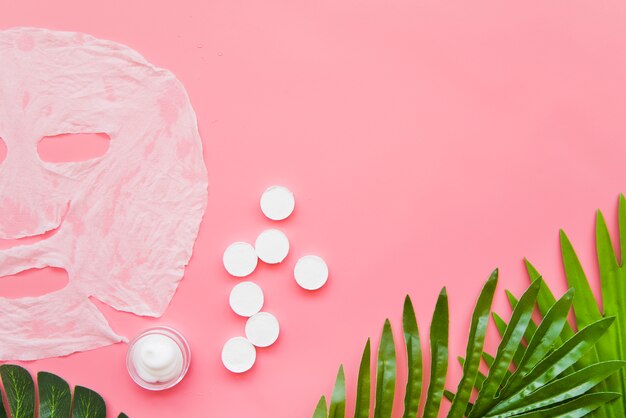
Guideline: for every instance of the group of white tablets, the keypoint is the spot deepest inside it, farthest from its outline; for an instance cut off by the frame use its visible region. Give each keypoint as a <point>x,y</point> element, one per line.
<point>246,298</point>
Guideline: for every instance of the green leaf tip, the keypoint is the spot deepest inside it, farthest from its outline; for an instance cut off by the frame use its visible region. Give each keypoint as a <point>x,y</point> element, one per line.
<point>363,391</point>
<point>439,356</point>
<point>414,360</point>
<point>474,350</point>
<point>338,400</point>
<point>321,411</point>
<point>386,373</point>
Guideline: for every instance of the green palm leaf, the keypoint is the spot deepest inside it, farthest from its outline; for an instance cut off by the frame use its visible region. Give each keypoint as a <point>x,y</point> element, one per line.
<point>543,340</point>
<point>478,331</point>
<point>363,389</point>
<point>439,356</point>
<point>338,400</point>
<point>511,341</point>
<point>386,375</point>
<point>320,410</point>
<point>543,383</point>
<point>579,407</point>
<point>587,309</point>
<point>559,360</point>
<point>560,390</point>
<point>414,359</point>
<point>585,306</point>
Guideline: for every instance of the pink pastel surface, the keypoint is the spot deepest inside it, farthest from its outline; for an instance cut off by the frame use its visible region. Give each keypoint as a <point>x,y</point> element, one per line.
<point>427,142</point>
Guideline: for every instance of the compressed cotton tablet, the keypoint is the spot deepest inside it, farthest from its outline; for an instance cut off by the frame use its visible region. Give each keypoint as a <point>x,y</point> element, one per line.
<point>272,246</point>
<point>311,272</point>
<point>240,259</point>
<point>277,203</point>
<point>238,355</point>
<point>262,329</point>
<point>246,298</point>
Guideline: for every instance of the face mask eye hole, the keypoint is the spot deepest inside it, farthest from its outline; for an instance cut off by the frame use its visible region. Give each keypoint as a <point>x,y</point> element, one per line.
<point>33,283</point>
<point>67,148</point>
<point>3,150</point>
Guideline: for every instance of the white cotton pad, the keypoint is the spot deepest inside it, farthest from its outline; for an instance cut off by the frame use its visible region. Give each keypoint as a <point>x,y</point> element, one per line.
<point>272,246</point>
<point>246,299</point>
<point>262,329</point>
<point>311,272</point>
<point>277,203</point>
<point>240,259</point>
<point>238,355</point>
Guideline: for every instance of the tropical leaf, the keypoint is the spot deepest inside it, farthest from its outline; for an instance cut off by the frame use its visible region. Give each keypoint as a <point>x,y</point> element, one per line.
<point>20,390</point>
<point>511,340</point>
<point>414,359</point>
<point>557,362</point>
<point>588,308</point>
<point>543,340</point>
<point>338,400</point>
<point>386,375</point>
<point>88,404</point>
<point>545,298</point>
<point>363,389</point>
<point>55,396</point>
<point>439,356</point>
<point>478,331</point>
<point>579,407</point>
<point>560,390</point>
<point>320,410</point>
<point>543,382</point>
<point>585,306</point>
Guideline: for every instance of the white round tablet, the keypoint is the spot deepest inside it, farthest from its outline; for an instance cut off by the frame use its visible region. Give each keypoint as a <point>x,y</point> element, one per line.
<point>272,246</point>
<point>277,203</point>
<point>240,259</point>
<point>246,298</point>
<point>238,355</point>
<point>311,272</point>
<point>262,329</point>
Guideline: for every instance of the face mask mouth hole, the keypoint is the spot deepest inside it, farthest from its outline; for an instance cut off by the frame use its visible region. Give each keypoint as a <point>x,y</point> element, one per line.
<point>67,148</point>
<point>33,282</point>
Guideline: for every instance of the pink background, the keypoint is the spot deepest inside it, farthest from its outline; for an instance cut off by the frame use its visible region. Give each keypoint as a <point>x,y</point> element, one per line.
<point>427,142</point>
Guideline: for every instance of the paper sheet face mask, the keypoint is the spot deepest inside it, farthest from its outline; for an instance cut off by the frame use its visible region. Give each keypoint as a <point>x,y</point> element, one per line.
<point>124,223</point>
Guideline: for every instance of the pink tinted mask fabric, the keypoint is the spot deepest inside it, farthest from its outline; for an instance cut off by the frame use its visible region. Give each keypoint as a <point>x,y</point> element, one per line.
<point>123,224</point>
